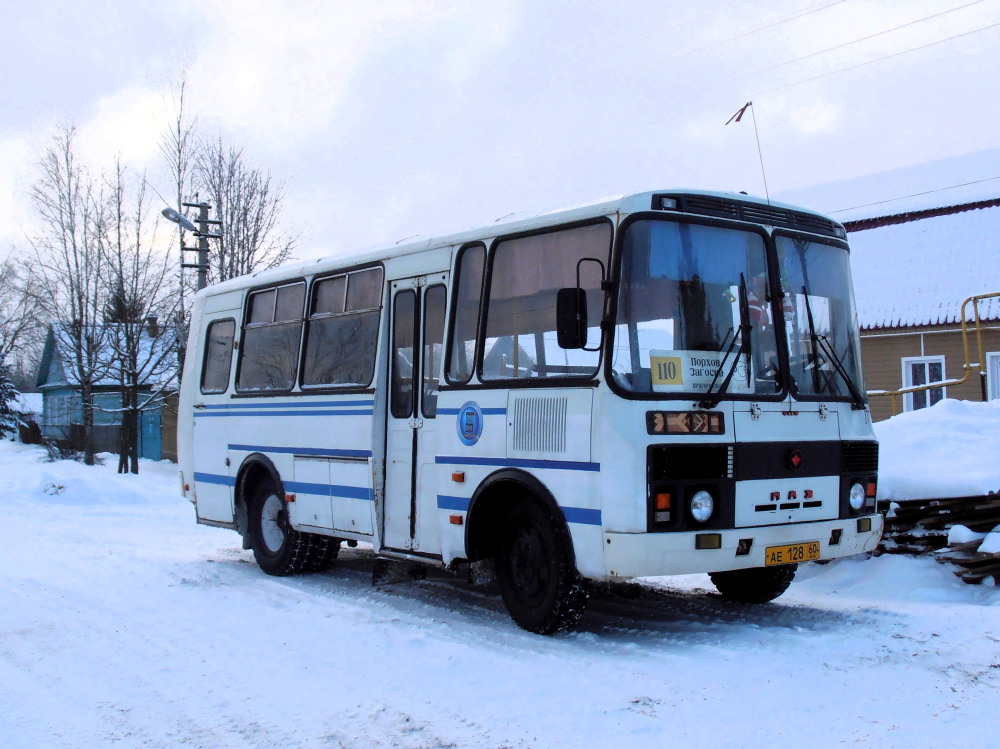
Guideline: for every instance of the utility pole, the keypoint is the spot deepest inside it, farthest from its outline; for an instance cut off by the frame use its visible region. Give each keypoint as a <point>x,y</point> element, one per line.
<point>203,233</point>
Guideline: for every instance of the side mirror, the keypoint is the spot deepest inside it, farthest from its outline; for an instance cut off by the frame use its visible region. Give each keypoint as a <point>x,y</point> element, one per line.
<point>571,318</point>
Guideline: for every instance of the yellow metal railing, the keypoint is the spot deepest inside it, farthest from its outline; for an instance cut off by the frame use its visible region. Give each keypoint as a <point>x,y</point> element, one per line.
<point>968,367</point>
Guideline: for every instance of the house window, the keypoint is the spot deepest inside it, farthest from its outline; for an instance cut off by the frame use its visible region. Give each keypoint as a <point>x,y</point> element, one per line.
<point>993,375</point>
<point>922,370</point>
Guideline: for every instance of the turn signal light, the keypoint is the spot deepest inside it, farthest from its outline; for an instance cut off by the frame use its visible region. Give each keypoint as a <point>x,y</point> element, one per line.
<point>870,492</point>
<point>662,501</point>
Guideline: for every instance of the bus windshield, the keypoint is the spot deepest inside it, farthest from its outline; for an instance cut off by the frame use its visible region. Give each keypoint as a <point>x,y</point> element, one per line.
<point>694,314</point>
<point>820,321</point>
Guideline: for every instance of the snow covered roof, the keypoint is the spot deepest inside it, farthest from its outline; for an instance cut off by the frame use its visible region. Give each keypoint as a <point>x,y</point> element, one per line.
<point>55,367</point>
<point>917,268</point>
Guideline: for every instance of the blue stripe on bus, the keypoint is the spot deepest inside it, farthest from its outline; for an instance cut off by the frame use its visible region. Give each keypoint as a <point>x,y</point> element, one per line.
<point>578,515</point>
<point>317,412</point>
<point>285,404</point>
<point>334,490</point>
<point>485,411</point>
<point>563,465</point>
<point>461,504</point>
<point>214,478</point>
<point>317,451</point>
<point>581,515</point>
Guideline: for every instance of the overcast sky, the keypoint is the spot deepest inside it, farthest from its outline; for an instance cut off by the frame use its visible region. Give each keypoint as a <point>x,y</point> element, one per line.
<point>392,118</point>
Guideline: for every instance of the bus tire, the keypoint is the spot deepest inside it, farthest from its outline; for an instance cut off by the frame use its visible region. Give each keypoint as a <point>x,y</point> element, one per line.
<point>757,585</point>
<point>323,552</point>
<point>278,548</point>
<point>540,587</point>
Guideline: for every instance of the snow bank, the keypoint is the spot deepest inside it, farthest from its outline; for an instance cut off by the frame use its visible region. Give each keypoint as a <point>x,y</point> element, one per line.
<point>947,450</point>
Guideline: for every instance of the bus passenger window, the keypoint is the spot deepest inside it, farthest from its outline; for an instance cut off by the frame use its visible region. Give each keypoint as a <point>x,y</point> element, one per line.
<point>343,330</point>
<point>218,356</point>
<point>270,351</point>
<point>468,292</point>
<point>520,340</point>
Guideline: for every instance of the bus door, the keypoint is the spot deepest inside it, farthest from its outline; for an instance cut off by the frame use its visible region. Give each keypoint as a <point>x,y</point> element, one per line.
<point>416,348</point>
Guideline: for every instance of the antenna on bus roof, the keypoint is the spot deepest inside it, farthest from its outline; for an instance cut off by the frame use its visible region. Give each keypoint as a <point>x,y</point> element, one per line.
<point>736,118</point>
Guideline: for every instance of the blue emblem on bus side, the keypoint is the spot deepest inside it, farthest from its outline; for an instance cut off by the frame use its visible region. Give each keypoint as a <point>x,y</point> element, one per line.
<point>470,423</point>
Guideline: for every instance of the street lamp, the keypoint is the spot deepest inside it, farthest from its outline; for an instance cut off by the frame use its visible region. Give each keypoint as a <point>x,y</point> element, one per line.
<point>178,218</point>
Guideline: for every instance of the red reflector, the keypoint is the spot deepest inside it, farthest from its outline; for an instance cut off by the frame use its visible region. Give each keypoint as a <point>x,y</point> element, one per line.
<point>455,519</point>
<point>871,489</point>
<point>187,488</point>
<point>289,497</point>
<point>458,477</point>
<point>663,501</point>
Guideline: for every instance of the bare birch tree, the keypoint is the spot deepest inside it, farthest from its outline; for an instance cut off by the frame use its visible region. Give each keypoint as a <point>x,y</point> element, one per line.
<point>140,293</point>
<point>67,258</point>
<point>179,147</point>
<point>249,202</point>
<point>20,309</point>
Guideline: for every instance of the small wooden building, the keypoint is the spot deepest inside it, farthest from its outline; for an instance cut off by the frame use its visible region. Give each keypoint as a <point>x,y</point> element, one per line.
<point>912,271</point>
<point>62,409</point>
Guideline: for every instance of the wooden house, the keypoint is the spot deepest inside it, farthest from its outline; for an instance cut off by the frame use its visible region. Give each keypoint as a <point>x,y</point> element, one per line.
<point>912,271</point>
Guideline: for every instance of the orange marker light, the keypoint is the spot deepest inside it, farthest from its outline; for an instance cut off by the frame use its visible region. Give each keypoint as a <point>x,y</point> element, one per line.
<point>663,501</point>
<point>458,477</point>
<point>455,519</point>
<point>289,497</point>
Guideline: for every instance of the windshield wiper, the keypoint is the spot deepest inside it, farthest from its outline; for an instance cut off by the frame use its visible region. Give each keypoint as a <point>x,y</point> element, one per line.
<point>827,348</point>
<point>712,396</point>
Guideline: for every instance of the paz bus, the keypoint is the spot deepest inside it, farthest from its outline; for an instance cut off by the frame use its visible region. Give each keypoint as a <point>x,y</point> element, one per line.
<point>663,383</point>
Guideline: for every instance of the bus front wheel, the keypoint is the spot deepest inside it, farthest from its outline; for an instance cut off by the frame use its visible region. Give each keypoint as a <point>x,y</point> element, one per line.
<point>757,585</point>
<point>540,587</point>
<point>280,549</point>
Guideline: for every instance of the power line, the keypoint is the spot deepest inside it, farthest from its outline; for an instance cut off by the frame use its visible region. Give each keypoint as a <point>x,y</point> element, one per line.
<point>694,91</point>
<point>609,79</point>
<point>913,195</point>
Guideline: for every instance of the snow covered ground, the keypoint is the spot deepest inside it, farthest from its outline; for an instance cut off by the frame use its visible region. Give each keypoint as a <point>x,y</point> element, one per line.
<point>123,623</point>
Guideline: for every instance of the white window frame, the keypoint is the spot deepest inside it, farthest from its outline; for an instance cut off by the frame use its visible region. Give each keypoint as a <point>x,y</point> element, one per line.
<point>907,361</point>
<point>993,375</point>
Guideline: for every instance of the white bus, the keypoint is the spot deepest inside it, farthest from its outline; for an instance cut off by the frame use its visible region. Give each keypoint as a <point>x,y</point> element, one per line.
<point>663,383</point>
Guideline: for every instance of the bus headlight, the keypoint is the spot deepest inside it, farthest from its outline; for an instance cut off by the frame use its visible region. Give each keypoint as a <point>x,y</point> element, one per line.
<point>702,506</point>
<point>857,497</point>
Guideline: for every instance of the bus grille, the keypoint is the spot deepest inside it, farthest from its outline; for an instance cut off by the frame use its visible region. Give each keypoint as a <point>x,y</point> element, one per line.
<point>540,424</point>
<point>860,457</point>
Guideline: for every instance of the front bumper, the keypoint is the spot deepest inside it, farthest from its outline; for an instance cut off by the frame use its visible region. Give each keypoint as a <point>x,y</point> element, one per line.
<point>649,554</point>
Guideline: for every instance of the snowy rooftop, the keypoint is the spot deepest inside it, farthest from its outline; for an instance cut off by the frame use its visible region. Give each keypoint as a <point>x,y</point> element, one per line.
<point>919,272</point>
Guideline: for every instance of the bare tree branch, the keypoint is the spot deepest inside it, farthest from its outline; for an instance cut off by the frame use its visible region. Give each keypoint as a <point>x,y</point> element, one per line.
<point>248,202</point>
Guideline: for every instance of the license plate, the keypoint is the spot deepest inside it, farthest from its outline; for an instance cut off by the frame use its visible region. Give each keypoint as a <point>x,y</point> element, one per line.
<point>791,553</point>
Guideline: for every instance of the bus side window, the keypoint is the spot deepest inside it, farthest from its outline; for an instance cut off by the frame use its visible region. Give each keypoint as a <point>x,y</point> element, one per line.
<point>269,354</point>
<point>468,293</point>
<point>527,272</point>
<point>218,356</point>
<point>343,329</point>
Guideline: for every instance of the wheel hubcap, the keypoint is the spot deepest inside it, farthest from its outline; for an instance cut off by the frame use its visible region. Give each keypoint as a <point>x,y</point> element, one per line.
<point>272,523</point>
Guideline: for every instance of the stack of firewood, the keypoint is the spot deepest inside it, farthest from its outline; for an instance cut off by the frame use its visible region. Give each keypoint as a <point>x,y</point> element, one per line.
<point>920,526</point>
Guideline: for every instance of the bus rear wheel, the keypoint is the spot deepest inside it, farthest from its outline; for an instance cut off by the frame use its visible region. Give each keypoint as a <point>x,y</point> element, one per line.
<point>280,549</point>
<point>540,587</point>
<point>757,585</point>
